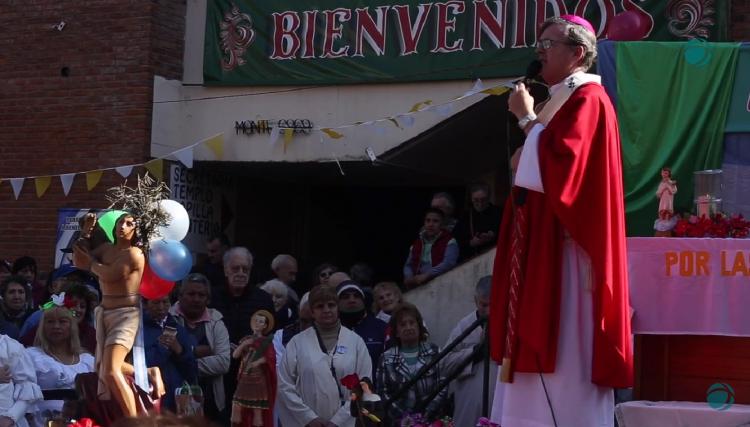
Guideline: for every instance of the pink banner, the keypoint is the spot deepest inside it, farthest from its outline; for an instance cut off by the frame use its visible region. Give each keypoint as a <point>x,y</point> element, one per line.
<point>690,286</point>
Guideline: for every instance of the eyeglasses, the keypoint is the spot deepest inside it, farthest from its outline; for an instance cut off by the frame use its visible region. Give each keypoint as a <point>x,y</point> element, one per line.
<point>325,274</point>
<point>548,43</point>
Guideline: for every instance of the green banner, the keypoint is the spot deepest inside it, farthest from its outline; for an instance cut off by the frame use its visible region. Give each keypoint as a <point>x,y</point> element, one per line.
<point>672,114</point>
<point>293,42</point>
<point>739,108</point>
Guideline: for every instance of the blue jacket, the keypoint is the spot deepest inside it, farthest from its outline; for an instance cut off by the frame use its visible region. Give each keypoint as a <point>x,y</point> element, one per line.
<point>175,369</point>
<point>372,332</point>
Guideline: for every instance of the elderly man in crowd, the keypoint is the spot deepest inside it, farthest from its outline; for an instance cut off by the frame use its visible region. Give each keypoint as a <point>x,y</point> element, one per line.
<point>237,302</point>
<point>284,267</point>
<point>211,351</point>
<point>467,387</point>
<point>477,230</point>
<point>444,202</point>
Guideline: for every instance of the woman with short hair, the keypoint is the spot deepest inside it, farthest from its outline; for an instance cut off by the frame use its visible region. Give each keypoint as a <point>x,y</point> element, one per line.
<point>310,390</point>
<point>402,361</point>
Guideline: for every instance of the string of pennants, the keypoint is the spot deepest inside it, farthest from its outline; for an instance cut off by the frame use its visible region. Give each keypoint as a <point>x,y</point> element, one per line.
<point>216,144</point>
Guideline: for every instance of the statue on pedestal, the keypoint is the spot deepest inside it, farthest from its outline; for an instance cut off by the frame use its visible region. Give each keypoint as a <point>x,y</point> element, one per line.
<point>665,193</point>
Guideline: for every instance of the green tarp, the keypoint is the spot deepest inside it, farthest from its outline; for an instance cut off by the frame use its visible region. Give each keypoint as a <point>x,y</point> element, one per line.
<point>672,106</point>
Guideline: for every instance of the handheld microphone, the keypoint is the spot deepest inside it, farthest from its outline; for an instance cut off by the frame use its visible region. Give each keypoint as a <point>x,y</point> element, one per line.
<point>532,71</point>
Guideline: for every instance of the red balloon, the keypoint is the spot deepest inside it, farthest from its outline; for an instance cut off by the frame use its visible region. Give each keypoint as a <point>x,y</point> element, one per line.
<point>628,26</point>
<point>153,286</point>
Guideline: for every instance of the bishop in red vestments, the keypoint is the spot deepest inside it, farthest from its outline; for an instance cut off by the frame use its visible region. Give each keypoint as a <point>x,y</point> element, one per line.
<point>569,303</point>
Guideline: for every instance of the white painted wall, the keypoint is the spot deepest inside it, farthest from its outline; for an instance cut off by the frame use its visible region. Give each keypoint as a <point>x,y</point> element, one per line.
<point>187,112</point>
<point>448,298</point>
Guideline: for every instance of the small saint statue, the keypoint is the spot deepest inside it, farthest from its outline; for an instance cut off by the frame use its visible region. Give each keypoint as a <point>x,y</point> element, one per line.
<point>252,405</point>
<point>665,193</point>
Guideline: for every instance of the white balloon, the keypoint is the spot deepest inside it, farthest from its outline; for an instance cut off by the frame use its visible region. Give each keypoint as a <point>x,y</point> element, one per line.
<point>179,221</point>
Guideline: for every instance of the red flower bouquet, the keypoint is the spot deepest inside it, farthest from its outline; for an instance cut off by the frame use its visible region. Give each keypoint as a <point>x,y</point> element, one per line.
<point>718,225</point>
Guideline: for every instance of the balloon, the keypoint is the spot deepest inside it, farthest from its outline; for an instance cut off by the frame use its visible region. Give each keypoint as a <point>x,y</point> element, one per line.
<point>107,223</point>
<point>153,286</point>
<point>179,222</point>
<point>170,259</point>
<point>628,26</point>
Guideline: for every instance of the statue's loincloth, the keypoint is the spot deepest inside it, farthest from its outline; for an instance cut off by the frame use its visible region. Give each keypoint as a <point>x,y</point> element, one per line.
<point>114,326</point>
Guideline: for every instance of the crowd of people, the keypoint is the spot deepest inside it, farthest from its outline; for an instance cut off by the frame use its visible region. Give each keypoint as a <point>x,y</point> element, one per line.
<point>261,354</point>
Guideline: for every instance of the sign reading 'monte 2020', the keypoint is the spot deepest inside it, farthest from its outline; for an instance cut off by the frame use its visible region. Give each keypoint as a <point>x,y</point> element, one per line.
<point>257,42</point>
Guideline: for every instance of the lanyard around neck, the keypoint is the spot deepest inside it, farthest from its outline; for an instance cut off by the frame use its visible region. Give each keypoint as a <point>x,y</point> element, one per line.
<point>332,354</point>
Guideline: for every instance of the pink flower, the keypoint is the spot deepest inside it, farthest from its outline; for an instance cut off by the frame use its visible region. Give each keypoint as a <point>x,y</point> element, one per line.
<point>485,422</point>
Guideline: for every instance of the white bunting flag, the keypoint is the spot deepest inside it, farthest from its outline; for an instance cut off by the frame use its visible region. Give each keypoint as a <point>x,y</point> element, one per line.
<point>185,156</point>
<point>67,181</point>
<point>478,87</point>
<point>274,135</point>
<point>17,184</point>
<point>444,110</point>
<point>407,120</point>
<point>124,171</point>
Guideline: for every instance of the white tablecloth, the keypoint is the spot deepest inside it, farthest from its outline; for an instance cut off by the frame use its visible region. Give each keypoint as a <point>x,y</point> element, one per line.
<point>643,413</point>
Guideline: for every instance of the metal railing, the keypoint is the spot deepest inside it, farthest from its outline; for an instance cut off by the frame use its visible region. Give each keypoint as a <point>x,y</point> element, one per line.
<point>484,348</point>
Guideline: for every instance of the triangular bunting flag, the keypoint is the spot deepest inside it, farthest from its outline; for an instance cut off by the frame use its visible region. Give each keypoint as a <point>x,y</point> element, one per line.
<point>156,168</point>
<point>395,122</point>
<point>124,171</point>
<point>444,110</point>
<point>407,120</point>
<point>379,130</point>
<point>67,181</point>
<point>92,178</point>
<point>216,144</point>
<point>288,135</point>
<point>274,135</point>
<point>17,184</point>
<point>185,156</point>
<point>497,90</point>
<point>478,87</point>
<point>333,134</point>
<point>418,106</point>
<point>42,184</point>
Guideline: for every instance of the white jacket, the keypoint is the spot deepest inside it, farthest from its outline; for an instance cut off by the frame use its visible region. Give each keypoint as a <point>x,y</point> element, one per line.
<point>307,388</point>
<point>217,365</point>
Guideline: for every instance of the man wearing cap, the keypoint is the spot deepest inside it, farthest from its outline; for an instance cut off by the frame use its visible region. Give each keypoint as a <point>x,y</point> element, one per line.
<point>559,313</point>
<point>354,315</point>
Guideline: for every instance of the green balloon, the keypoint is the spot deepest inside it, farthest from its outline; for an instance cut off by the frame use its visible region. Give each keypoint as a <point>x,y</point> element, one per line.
<point>107,223</point>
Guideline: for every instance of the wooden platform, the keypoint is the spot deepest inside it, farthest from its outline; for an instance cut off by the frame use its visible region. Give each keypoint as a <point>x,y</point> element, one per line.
<point>683,367</point>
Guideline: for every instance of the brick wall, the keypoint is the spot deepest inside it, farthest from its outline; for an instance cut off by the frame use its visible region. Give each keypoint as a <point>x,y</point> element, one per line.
<point>740,20</point>
<point>73,100</point>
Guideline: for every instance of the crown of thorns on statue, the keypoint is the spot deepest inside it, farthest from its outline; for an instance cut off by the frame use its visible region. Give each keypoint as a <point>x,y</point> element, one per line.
<point>142,202</point>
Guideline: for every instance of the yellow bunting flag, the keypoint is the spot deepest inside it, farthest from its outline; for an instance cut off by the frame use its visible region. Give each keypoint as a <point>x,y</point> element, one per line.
<point>42,184</point>
<point>418,106</point>
<point>288,134</point>
<point>216,144</point>
<point>156,168</point>
<point>332,133</point>
<point>92,178</point>
<point>498,90</point>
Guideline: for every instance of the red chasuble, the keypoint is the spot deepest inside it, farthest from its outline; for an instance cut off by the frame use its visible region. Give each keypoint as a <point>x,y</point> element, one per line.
<point>579,159</point>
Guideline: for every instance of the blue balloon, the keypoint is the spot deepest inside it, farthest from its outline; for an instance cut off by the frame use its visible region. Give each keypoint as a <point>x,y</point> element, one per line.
<point>170,259</point>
